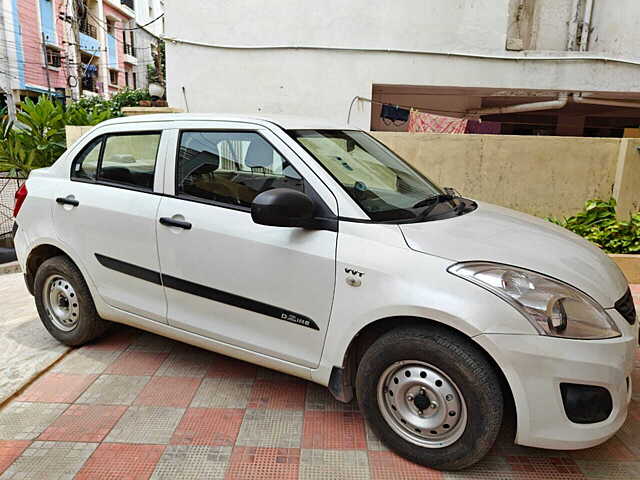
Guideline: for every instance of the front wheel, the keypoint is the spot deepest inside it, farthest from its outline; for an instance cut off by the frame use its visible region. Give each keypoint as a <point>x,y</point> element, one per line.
<point>430,396</point>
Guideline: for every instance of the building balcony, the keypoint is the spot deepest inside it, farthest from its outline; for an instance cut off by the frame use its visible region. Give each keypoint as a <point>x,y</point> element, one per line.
<point>89,45</point>
<point>128,3</point>
<point>88,29</point>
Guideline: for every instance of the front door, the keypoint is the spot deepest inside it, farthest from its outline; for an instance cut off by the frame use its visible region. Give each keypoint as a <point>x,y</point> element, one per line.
<point>265,289</point>
<point>107,217</point>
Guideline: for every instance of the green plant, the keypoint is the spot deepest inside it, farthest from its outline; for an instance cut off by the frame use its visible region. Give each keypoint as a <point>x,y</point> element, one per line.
<point>598,223</point>
<point>77,115</point>
<point>156,70</point>
<point>44,128</point>
<point>97,105</point>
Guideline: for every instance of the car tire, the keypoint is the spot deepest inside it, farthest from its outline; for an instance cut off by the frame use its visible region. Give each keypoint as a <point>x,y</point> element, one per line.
<point>448,404</point>
<point>65,304</point>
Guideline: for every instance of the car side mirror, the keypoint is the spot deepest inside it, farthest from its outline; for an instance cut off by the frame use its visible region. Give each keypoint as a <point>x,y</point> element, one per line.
<point>282,207</point>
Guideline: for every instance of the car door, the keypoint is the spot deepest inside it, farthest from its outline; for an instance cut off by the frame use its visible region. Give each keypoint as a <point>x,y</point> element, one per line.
<point>106,215</point>
<point>265,289</point>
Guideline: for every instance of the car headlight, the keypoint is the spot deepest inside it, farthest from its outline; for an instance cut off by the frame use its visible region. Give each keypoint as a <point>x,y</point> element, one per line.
<point>553,307</point>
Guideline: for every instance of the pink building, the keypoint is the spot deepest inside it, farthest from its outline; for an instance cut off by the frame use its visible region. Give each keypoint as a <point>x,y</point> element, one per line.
<point>39,47</point>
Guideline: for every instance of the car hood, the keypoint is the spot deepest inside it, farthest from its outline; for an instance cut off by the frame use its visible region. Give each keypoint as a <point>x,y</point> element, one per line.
<point>500,235</point>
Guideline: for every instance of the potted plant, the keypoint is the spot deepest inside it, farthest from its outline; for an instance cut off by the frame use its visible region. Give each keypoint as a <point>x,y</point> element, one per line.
<point>156,73</point>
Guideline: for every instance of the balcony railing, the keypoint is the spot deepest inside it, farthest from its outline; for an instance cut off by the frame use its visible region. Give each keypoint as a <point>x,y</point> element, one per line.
<point>88,29</point>
<point>128,3</point>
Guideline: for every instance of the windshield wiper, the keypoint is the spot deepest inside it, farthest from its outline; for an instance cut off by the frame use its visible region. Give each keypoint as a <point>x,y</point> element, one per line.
<point>434,200</point>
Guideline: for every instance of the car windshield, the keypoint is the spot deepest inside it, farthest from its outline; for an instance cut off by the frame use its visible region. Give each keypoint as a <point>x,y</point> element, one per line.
<point>384,186</point>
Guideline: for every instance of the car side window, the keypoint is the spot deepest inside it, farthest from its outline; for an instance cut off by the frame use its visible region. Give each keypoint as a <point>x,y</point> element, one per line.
<point>130,159</point>
<point>231,167</point>
<point>85,165</point>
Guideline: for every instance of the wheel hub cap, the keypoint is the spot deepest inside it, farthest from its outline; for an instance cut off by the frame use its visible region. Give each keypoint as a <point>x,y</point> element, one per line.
<point>61,303</point>
<point>422,404</point>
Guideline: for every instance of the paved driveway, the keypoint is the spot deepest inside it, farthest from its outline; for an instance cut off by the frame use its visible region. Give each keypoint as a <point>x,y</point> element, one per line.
<point>135,405</point>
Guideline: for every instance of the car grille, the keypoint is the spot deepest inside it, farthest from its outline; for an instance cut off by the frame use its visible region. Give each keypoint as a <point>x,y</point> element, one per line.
<point>626,308</point>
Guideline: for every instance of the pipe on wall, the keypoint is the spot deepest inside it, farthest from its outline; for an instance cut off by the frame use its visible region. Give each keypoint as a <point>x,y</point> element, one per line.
<point>586,26</point>
<point>582,98</point>
<point>557,104</point>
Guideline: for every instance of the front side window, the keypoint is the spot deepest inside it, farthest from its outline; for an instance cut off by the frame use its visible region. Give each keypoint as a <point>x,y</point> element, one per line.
<point>230,167</point>
<point>127,160</point>
<point>384,186</point>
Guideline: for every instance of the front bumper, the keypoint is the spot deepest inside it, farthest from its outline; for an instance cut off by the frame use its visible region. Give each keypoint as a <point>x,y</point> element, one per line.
<point>535,366</point>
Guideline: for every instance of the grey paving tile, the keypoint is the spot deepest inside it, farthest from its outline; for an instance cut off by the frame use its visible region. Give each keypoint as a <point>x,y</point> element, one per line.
<point>87,361</point>
<point>149,342</point>
<point>223,392</point>
<point>50,460</point>
<point>114,390</point>
<point>373,442</point>
<point>192,462</point>
<point>144,424</point>
<point>334,464</point>
<point>271,428</point>
<point>609,470</point>
<point>25,421</point>
<point>186,363</point>
<point>319,398</point>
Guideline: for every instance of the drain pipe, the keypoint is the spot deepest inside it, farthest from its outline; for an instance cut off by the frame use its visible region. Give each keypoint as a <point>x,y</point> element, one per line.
<point>582,98</point>
<point>586,26</point>
<point>561,102</point>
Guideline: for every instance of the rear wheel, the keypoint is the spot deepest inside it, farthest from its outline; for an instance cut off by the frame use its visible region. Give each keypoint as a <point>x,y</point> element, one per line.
<point>65,304</point>
<point>431,396</point>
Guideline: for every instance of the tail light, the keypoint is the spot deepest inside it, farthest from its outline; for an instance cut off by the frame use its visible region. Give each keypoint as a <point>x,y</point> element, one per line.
<point>21,194</point>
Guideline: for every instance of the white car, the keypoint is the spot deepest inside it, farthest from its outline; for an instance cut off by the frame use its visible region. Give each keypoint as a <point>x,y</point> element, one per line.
<point>315,250</point>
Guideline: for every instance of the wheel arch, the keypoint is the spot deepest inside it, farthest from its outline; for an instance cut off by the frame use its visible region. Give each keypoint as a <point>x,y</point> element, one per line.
<point>39,254</point>
<point>343,378</point>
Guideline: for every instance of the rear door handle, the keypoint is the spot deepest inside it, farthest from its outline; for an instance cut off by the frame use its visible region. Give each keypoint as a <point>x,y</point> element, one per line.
<point>171,222</point>
<point>67,201</point>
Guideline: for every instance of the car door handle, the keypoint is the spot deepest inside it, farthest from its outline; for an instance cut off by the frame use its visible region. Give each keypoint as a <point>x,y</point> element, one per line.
<point>171,222</point>
<point>67,201</point>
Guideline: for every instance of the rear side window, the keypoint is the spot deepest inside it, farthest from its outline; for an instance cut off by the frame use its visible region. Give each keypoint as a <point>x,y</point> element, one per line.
<point>231,167</point>
<point>124,159</point>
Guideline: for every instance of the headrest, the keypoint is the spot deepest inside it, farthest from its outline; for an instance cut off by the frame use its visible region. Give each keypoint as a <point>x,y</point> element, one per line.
<point>202,162</point>
<point>259,154</point>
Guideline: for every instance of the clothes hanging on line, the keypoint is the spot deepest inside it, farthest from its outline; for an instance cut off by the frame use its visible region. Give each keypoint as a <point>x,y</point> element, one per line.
<point>484,128</point>
<point>422,122</point>
<point>394,114</point>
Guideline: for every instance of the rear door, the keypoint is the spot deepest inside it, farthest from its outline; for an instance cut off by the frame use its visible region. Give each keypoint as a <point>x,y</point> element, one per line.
<point>265,289</point>
<point>106,215</point>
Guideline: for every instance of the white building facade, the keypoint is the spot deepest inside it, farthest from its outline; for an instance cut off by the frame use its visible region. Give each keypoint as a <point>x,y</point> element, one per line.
<point>458,56</point>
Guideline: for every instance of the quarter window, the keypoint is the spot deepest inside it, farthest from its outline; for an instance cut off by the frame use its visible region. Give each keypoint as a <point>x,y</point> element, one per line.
<point>231,167</point>
<point>127,160</point>
<point>85,165</point>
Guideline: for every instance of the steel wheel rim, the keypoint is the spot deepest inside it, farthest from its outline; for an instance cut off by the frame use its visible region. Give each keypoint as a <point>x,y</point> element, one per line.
<point>61,303</point>
<point>422,404</point>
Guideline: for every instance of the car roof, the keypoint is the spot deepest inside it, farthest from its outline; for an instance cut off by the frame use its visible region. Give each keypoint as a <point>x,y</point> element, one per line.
<point>286,122</point>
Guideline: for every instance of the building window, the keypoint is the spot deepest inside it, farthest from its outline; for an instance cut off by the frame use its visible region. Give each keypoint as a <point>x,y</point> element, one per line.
<point>135,80</point>
<point>126,78</point>
<point>113,77</point>
<point>53,57</point>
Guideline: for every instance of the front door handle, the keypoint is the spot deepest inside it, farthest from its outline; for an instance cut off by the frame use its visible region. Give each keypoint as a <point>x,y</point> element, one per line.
<point>67,201</point>
<point>172,222</point>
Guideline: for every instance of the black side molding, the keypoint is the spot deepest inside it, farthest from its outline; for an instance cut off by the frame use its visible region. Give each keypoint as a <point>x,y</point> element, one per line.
<point>170,222</point>
<point>206,292</point>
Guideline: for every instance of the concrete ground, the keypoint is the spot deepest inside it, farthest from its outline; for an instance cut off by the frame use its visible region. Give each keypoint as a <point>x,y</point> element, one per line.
<point>134,405</point>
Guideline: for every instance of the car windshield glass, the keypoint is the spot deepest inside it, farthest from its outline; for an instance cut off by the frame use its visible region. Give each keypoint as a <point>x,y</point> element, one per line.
<point>384,186</point>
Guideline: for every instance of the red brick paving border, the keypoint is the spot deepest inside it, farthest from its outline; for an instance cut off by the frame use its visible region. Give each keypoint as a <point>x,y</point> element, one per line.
<point>134,362</point>
<point>208,426</point>
<point>168,392</point>
<point>278,395</point>
<point>334,430</point>
<point>222,366</point>
<point>389,466</point>
<point>118,461</point>
<point>83,423</point>
<point>264,463</point>
<point>57,388</point>
<point>10,450</point>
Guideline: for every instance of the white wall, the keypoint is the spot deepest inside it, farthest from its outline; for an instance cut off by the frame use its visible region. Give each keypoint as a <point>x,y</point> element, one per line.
<point>322,83</point>
<point>143,17</point>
